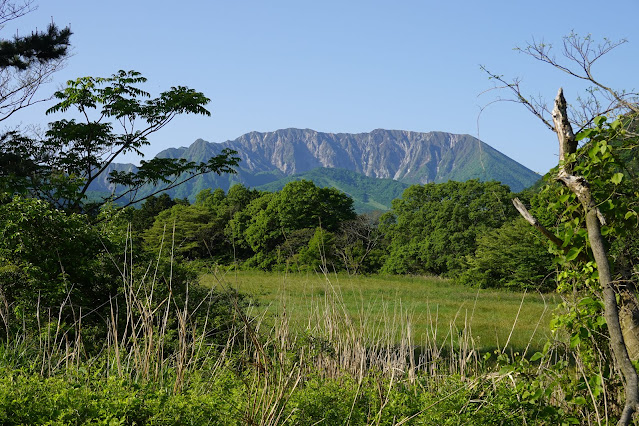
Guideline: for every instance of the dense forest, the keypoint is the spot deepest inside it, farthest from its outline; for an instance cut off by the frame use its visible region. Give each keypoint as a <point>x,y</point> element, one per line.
<point>438,229</point>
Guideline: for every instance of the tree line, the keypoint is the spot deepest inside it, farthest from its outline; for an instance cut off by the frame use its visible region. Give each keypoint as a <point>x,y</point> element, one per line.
<point>467,230</point>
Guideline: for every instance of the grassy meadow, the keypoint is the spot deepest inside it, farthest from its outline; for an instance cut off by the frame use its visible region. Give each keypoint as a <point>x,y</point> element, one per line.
<point>432,309</point>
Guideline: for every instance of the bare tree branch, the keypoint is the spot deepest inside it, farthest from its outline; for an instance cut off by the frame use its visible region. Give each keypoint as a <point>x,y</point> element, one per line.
<point>583,52</point>
<point>10,10</point>
<point>535,107</point>
<point>18,88</point>
<point>580,54</point>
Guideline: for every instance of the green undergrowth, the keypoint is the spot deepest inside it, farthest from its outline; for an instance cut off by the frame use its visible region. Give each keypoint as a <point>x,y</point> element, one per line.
<point>79,398</point>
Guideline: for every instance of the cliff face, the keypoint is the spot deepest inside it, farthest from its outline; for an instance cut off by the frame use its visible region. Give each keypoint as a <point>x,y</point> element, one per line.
<point>409,157</point>
<point>394,154</point>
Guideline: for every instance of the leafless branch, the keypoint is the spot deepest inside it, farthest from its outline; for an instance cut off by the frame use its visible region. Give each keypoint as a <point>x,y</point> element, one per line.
<point>535,106</point>
<point>10,10</point>
<point>581,54</point>
<point>18,88</point>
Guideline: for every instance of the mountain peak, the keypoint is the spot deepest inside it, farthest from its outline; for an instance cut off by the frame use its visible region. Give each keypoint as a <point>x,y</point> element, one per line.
<point>407,156</point>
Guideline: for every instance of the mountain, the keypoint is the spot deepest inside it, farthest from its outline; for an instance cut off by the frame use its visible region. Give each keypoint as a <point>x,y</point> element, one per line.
<point>403,156</point>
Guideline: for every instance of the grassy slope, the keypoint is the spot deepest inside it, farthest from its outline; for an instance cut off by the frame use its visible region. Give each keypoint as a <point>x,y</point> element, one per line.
<point>368,193</point>
<point>481,161</point>
<point>431,303</point>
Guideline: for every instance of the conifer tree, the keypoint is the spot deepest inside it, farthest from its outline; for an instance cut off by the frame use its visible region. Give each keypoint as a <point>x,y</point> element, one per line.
<point>27,62</point>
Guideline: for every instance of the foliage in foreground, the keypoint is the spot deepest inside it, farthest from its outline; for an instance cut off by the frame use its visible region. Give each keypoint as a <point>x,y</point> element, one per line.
<point>117,118</point>
<point>222,400</point>
<point>263,374</point>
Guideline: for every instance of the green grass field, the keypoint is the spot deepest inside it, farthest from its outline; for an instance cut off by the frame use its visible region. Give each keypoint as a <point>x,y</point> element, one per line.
<point>437,309</point>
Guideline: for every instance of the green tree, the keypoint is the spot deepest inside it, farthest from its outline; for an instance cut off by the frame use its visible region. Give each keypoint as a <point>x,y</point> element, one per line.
<point>248,236</point>
<point>210,199</point>
<point>27,62</point>
<point>143,218</point>
<point>49,256</point>
<point>221,243</point>
<point>434,226</point>
<point>319,252</point>
<point>75,153</point>
<point>301,204</point>
<point>512,256</point>
<point>181,231</point>
<point>271,220</point>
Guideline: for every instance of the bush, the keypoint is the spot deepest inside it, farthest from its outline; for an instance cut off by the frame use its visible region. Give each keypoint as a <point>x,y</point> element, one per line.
<point>49,255</point>
<point>513,256</point>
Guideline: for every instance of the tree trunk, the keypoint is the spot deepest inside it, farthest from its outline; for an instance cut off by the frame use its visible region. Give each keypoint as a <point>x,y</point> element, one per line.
<point>594,220</point>
<point>629,318</point>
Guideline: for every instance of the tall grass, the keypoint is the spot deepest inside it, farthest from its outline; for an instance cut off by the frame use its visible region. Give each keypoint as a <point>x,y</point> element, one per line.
<point>152,337</point>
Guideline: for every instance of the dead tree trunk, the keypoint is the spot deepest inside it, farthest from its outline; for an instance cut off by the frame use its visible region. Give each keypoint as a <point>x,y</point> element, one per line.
<point>594,220</point>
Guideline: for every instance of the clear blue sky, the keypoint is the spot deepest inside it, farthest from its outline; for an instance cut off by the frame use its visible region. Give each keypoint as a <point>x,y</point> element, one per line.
<point>340,66</point>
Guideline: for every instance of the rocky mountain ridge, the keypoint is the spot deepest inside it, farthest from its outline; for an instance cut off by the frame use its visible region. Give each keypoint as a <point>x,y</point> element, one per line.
<point>410,157</point>
<point>405,156</point>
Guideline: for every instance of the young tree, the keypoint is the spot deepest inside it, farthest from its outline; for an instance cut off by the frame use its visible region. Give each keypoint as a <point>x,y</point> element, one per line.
<point>512,256</point>
<point>599,201</point>
<point>76,152</point>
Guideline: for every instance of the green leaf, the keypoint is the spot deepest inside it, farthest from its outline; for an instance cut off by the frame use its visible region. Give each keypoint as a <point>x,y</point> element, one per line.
<point>599,121</point>
<point>587,301</point>
<point>584,333</point>
<point>573,253</point>
<point>575,340</point>
<point>506,369</point>
<point>536,356</point>
<point>584,134</point>
<point>630,213</point>
<point>580,400</point>
<point>616,178</point>
<point>538,393</point>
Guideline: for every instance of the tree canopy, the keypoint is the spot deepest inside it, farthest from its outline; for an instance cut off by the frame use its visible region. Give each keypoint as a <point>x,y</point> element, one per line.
<point>433,227</point>
<point>116,117</point>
